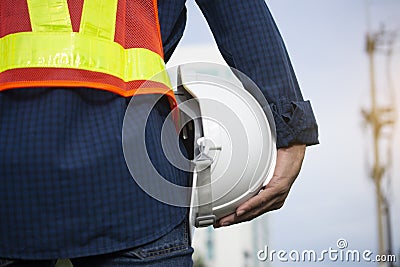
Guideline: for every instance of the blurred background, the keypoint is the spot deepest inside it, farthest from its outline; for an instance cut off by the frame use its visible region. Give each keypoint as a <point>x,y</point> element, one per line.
<point>340,50</point>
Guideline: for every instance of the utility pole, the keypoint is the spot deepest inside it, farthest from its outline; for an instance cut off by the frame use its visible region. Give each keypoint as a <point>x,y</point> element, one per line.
<point>372,117</point>
<point>378,117</point>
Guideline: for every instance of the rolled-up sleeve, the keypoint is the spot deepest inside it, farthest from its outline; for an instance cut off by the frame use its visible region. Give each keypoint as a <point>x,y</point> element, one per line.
<point>249,41</point>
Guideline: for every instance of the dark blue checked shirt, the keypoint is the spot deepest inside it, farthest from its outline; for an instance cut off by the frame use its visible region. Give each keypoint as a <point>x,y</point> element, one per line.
<point>65,188</point>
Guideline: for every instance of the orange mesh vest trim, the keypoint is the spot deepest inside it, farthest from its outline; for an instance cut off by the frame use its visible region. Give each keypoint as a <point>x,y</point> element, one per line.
<point>109,45</point>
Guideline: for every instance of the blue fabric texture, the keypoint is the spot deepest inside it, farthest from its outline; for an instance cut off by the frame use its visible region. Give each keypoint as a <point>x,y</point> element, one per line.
<point>249,41</point>
<point>65,188</point>
<point>170,250</point>
<point>66,191</point>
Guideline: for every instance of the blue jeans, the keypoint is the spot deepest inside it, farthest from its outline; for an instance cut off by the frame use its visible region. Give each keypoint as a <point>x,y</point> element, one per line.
<point>171,250</point>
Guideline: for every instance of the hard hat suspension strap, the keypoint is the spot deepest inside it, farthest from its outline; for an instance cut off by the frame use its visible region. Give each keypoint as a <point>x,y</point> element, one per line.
<point>204,216</point>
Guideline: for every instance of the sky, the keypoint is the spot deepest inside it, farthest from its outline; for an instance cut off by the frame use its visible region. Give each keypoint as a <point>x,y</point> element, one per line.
<point>333,197</point>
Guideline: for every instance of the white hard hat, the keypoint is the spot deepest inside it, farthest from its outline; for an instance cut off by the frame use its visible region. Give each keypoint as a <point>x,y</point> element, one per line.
<point>232,133</point>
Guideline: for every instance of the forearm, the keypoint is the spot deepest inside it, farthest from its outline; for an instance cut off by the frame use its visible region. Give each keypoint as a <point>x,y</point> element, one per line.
<point>249,41</point>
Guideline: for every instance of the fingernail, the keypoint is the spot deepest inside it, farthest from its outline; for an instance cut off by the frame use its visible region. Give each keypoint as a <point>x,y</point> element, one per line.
<point>226,223</point>
<point>240,212</point>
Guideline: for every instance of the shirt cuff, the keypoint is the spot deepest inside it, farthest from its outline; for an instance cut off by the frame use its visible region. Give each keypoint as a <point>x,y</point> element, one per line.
<point>295,123</point>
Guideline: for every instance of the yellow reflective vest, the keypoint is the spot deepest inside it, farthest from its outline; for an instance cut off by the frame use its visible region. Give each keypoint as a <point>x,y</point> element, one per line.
<point>109,45</point>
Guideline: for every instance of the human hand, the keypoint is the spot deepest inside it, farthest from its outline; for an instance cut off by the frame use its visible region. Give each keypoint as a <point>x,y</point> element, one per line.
<point>272,197</point>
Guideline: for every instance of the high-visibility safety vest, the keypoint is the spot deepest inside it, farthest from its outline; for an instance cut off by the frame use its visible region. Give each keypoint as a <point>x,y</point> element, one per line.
<point>104,44</point>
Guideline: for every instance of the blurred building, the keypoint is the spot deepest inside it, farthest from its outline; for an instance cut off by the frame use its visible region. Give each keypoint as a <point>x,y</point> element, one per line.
<point>234,246</point>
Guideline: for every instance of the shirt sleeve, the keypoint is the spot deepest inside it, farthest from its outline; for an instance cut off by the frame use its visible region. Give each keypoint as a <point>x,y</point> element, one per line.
<point>249,40</point>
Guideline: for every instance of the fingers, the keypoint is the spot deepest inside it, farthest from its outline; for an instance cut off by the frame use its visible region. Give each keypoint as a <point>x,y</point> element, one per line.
<point>267,200</point>
<point>273,197</point>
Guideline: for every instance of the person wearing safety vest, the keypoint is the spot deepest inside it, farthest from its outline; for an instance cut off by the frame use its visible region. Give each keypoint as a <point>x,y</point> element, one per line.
<point>68,69</point>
